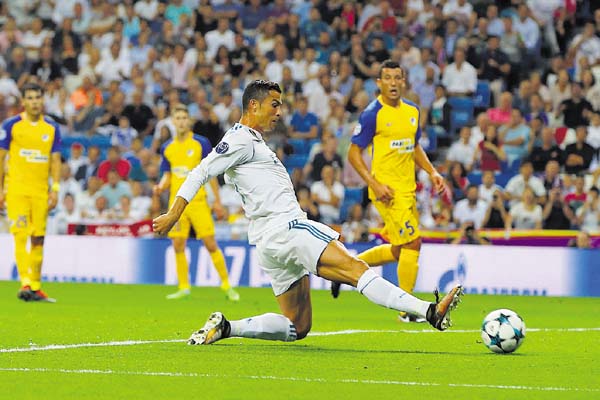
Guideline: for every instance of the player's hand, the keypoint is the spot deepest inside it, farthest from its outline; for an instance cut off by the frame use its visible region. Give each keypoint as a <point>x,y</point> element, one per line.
<point>219,210</point>
<point>156,190</point>
<point>383,193</point>
<point>163,223</point>
<point>438,182</point>
<point>52,200</point>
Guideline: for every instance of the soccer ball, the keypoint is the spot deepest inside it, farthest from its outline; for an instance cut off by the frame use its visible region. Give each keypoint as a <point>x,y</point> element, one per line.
<point>503,331</point>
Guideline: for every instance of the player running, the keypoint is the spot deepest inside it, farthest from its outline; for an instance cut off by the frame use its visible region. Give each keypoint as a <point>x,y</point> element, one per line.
<point>32,143</point>
<point>391,125</point>
<point>289,245</point>
<point>179,155</point>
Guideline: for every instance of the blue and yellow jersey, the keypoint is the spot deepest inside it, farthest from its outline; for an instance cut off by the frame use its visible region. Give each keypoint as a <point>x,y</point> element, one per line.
<point>180,157</point>
<point>29,146</point>
<point>393,132</point>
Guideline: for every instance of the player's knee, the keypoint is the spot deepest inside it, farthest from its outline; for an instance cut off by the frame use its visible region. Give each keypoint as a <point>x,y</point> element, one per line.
<point>414,245</point>
<point>37,240</point>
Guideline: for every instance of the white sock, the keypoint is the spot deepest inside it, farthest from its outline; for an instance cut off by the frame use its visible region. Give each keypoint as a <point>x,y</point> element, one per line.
<point>268,326</point>
<point>384,293</point>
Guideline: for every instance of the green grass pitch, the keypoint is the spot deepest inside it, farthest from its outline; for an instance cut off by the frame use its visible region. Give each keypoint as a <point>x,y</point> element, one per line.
<point>392,360</point>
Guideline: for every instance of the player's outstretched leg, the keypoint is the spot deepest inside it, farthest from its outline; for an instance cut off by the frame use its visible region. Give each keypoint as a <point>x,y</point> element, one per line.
<point>268,326</point>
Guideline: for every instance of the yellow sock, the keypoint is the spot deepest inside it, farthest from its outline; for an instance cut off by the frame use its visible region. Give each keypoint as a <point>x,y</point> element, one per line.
<point>377,255</point>
<point>408,268</point>
<point>219,263</point>
<point>183,275</point>
<point>22,258</point>
<point>36,256</point>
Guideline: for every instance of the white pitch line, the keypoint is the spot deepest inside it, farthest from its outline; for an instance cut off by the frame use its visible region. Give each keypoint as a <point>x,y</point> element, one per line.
<point>313,334</point>
<point>299,379</point>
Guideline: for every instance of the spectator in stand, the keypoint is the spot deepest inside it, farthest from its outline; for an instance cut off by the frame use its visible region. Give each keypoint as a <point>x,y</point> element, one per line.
<point>327,156</point>
<point>526,214</point>
<point>114,189</point>
<point>307,204</point>
<point>556,214</point>
<point>576,110</point>
<point>517,184</point>
<point>488,186</point>
<point>582,241</point>
<point>460,77</point>
<point>561,89</point>
<point>489,153</point>
<point>551,177</point>
<point>539,88</point>
<point>547,151</point>
<point>579,155</point>
<point>501,115</point>
<point>101,213</point>
<point>67,213</point>
<point>140,115</point>
<point>87,102</point>
<point>523,97</point>
<point>578,197</point>
<point>494,67</point>
<point>457,181</point>
<point>439,114</point>
<point>469,235</point>
<point>496,216</point>
<point>86,202</point>
<point>588,215</point>
<point>355,228</point>
<point>593,135</point>
<point>140,203</point>
<point>68,184</point>
<point>76,158</point>
<point>90,168</point>
<point>470,209</point>
<point>114,162</point>
<point>462,150</point>
<point>46,69</point>
<point>304,124</point>
<point>586,45</point>
<point>515,136</point>
<point>328,193</point>
<point>222,36</point>
<point>510,42</point>
<point>536,109</point>
<point>123,136</point>
<point>529,33</point>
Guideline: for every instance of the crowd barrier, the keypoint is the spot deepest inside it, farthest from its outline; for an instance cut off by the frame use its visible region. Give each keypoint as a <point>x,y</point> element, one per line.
<point>514,270</point>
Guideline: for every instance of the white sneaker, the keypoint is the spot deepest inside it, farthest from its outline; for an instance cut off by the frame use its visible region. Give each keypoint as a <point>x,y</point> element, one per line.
<point>232,294</point>
<point>216,327</point>
<point>180,294</point>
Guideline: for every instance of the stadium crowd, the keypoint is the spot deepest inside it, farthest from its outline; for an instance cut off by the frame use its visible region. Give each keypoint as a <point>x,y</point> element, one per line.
<point>509,93</point>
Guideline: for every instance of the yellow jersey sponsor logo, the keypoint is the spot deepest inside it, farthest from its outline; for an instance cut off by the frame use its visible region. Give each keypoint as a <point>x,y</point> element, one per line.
<point>402,145</point>
<point>181,171</point>
<point>33,156</point>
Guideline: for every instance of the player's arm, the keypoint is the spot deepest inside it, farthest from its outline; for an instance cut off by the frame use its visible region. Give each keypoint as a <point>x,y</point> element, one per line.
<point>3,153</point>
<point>217,205</point>
<point>423,161</point>
<point>382,192</point>
<point>55,164</point>
<point>225,156</point>
<point>163,184</point>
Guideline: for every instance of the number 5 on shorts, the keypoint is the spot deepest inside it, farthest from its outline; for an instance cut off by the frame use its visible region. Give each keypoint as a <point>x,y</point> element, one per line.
<point>411,229</point>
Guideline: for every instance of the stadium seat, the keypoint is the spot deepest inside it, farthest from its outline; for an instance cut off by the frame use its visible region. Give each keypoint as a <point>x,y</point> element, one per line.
<point>432,134</point>
<point>148,141</point>
<point>101,141</point>
<point>462,112</point>
<point>299,146</point>
<point>483,95</point>
<point>354,195</point>
<point>296,161</point>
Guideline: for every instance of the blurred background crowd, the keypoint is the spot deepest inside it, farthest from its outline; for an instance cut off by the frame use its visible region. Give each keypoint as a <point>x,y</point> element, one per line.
<point>509,92</point>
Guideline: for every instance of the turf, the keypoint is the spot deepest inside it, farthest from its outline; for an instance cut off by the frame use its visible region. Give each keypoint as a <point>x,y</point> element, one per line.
<point>552,363</point>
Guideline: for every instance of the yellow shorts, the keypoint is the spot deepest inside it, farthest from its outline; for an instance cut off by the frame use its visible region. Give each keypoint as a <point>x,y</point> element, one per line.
<point>27,214</point>
<point>197,215</point>
<point>401,220</point>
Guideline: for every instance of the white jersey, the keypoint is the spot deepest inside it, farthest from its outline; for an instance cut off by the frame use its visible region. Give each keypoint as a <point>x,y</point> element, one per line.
<point>260,178</point>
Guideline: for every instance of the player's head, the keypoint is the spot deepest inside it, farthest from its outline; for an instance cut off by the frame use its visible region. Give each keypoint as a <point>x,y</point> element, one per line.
<point>261,104</point>
<point>392,80</point>
<point>32,97</point>
<point>181,118</point>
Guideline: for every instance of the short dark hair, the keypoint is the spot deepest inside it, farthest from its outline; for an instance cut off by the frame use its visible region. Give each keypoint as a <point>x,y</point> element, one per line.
<point>258,90</point>
<point>31,87</point>
<point>389,64</point>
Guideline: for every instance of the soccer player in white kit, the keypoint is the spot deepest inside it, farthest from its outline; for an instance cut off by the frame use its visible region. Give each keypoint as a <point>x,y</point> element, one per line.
<point>289,245</point>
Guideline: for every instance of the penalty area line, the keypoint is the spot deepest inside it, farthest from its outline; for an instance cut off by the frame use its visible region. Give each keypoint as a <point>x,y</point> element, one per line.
<point>300,379</point>
<point>312,334</point>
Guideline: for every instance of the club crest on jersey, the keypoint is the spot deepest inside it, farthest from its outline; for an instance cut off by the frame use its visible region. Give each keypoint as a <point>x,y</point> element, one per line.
<point>45,137</point>
<point>222,148</point>
<point>190,152</point>
<point>413,121</point>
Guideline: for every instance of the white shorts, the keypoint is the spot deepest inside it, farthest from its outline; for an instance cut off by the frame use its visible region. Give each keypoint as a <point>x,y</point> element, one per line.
<point>288,254</point>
